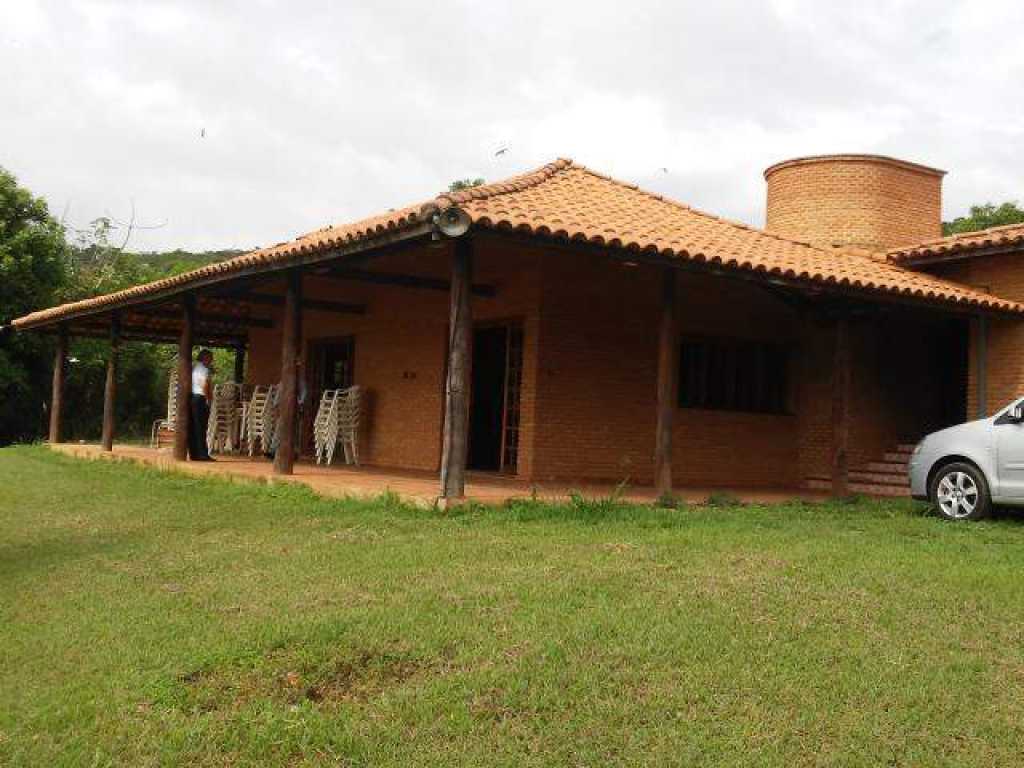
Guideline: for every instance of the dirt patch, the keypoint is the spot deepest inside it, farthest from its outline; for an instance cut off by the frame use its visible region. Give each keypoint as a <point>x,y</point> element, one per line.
<point>492,704</point>
<point>357,678</point>
<point>195,676</point>
<point>365,676</point>
<point>619,547</point>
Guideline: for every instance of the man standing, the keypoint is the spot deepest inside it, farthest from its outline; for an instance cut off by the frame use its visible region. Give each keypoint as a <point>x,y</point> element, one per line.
<point>199,406</point>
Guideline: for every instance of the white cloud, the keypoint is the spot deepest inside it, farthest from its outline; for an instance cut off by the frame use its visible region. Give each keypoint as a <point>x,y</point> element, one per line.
<point>318,112</point>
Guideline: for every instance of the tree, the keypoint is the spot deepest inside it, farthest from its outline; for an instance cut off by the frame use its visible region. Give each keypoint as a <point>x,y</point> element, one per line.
<point>983,217</point>
<point>98,267</point>
<point>34,273</point>
<point>39,268</point>
<point>460,184</point>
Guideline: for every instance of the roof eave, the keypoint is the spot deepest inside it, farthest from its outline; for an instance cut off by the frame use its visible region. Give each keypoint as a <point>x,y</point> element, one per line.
<point>745,270</point>
<point>912,259</point>
<point>399,234</point>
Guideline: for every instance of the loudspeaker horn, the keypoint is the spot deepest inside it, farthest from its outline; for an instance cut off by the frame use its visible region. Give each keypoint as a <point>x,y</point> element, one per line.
<point>454,222</point>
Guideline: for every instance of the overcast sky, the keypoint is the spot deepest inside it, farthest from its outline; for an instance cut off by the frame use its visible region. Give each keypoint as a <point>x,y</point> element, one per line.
<point>321,112</point>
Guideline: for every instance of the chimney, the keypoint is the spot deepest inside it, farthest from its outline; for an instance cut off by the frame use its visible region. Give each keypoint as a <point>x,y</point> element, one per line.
<point>864,201</point>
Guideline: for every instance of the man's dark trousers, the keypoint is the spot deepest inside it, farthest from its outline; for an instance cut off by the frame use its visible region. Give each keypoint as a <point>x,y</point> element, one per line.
<point>200,411</point>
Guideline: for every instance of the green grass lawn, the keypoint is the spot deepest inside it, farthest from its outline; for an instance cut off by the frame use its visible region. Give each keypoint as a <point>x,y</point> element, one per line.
<point>157,619</point>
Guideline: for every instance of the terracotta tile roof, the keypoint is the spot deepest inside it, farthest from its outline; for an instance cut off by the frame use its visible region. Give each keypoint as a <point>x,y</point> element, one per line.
<point>273,257</point>
<point>566,200</point>
<point>1006,236</point>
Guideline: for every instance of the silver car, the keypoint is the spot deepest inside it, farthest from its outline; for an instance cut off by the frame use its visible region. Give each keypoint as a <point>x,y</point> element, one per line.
<point>966,469</point>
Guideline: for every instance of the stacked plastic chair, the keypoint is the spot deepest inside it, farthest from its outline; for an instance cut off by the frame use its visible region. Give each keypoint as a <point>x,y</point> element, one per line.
<point>337,421</point>
<point>220,435</point>
<point>243,415</point>
<point>350,409</point>
<point>172,410</point>
<point>261,419</point>
<point>324,426</point>
<point>271,437</point>
<point>272,424</point>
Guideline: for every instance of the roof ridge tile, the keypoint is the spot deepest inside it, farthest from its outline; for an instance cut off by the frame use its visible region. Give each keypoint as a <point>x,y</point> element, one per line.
<point>507,186</point>
<point>698,211</point>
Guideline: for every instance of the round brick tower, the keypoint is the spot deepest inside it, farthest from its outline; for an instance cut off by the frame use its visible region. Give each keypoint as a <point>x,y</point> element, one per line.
<point>865,201</point>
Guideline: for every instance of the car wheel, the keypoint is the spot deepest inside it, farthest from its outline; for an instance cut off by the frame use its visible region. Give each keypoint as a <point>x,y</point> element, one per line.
<point>959,492</point>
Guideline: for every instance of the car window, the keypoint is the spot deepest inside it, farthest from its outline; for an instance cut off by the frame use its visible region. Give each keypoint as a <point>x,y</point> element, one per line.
<point>1009,406</point>
<point>1003,416</point>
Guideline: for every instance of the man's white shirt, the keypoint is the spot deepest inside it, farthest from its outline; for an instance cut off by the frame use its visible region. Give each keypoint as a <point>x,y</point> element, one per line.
<point>200,375</point>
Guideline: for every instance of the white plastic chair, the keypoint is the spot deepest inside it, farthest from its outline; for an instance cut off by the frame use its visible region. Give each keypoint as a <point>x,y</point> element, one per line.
<point>326,416</point>
<point>172,410</point>
<point>219,433</point>
<point>338,421</point>
<point>350,410</point>
<point>262,418</point>
<point>271,422</point>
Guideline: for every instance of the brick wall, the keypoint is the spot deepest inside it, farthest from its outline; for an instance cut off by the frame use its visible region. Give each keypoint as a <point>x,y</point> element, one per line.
<point>863,201</point>
<point>400,346</point>
<point>590,366</point>
<point>597,379</point>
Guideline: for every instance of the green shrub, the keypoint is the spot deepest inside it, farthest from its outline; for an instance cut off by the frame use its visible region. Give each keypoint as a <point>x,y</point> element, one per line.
<point>668,501</point>
<point>722,499</point>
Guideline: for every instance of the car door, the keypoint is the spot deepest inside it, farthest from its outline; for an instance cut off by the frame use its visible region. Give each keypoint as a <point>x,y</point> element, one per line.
<point>1010,453</point>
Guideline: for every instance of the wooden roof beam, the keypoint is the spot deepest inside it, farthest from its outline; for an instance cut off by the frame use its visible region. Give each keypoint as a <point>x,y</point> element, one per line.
<point>209,317</point>
<point>129,333</point>
<point>270,300</point>
<point>402,280</point>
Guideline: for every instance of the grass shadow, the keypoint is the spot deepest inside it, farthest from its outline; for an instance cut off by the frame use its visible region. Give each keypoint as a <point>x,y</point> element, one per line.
<point>19,558</point>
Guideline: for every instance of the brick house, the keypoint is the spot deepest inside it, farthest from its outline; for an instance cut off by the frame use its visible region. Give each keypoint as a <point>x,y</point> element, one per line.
<point>584,329</point>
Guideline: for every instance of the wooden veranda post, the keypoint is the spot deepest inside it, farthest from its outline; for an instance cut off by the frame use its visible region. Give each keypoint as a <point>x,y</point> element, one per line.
<point>239,364</point>
<point>454,451</point>
<point>110,390</point>
<point>667,374</point>
<point>284,458</point>
<point>981,378</point>
<point>184,396</point>
<point>841,410</point>
<point>60,364</point>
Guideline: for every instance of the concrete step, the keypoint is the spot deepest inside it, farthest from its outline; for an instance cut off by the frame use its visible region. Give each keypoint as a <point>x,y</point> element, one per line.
<point>886,477</point>
<point>894,457</point>
<point>867,489</point>
<point>887,467</point>
<point>880,478</point>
